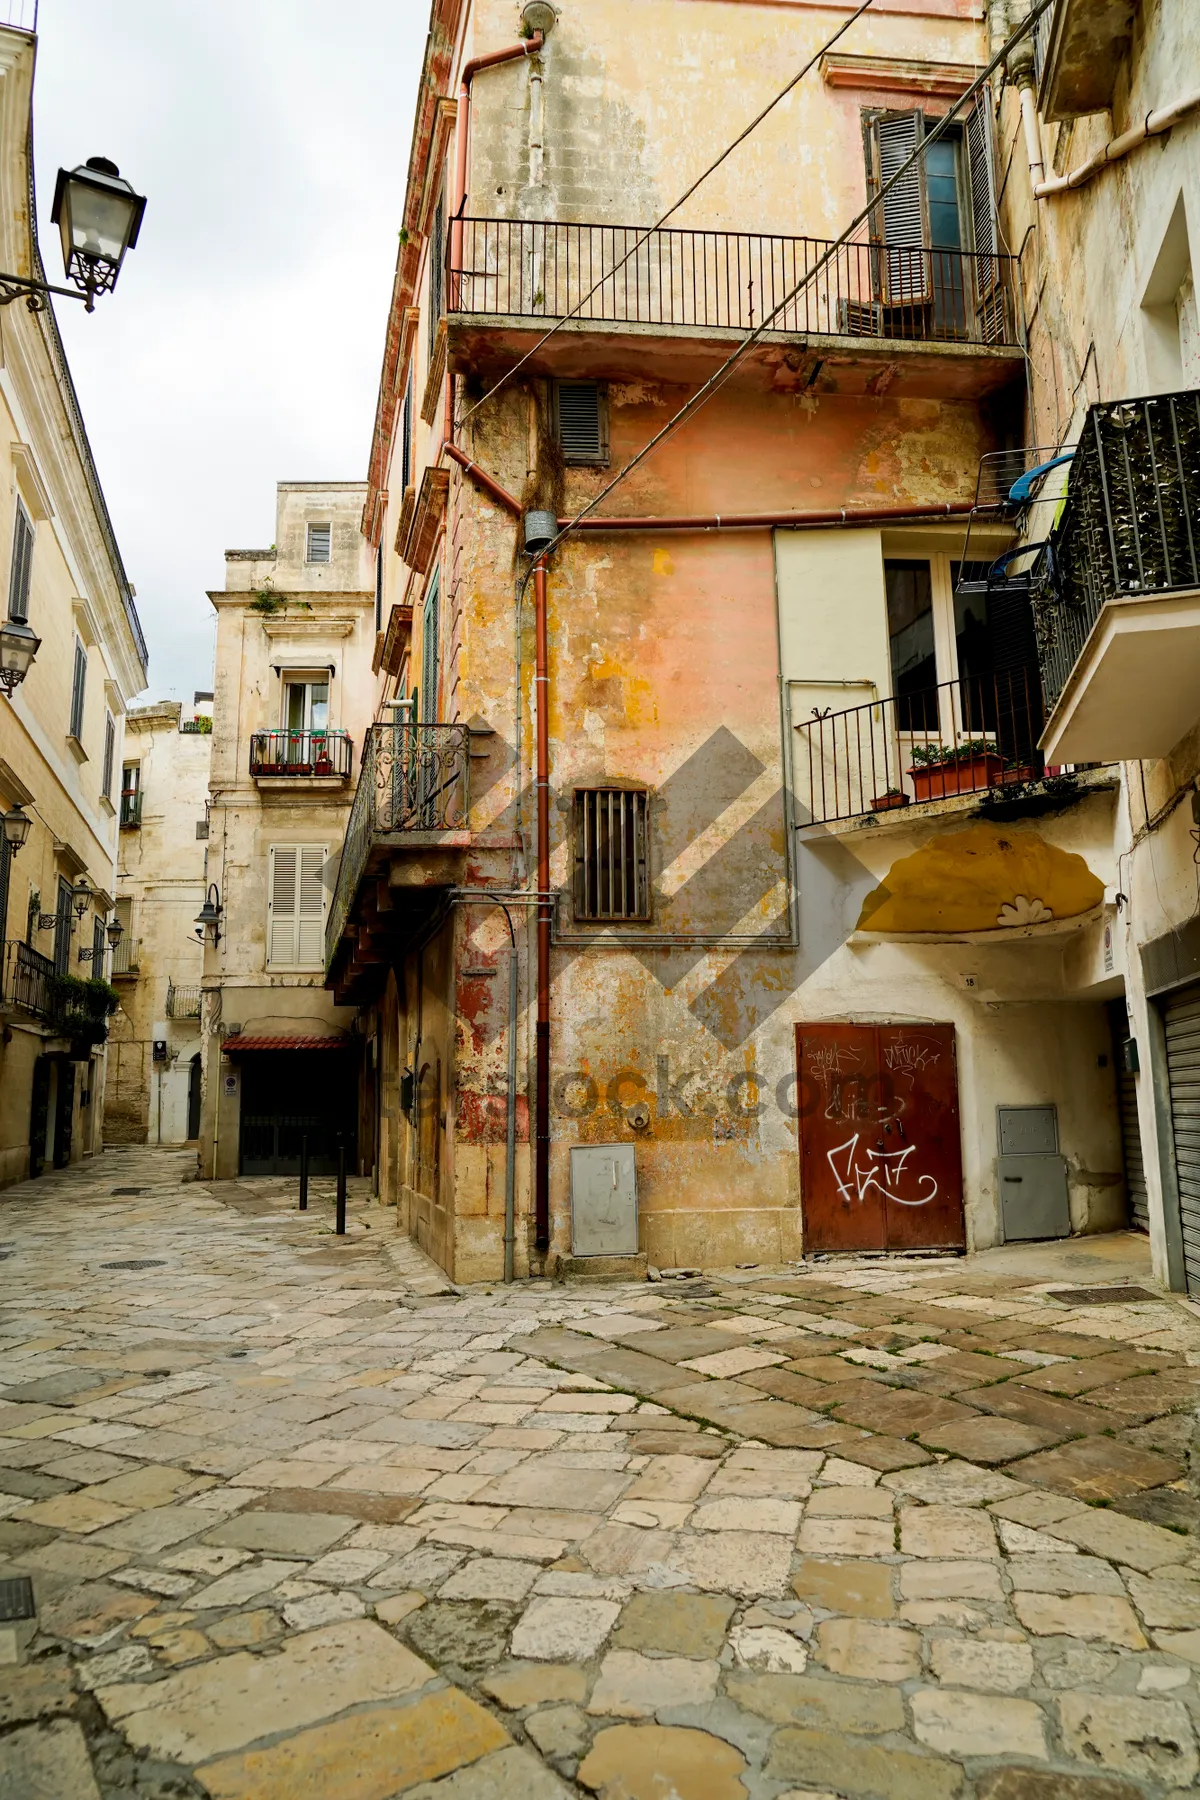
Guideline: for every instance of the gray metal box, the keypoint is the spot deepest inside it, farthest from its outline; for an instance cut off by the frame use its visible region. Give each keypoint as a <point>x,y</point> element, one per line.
<point>1027,1130</point>
<point>1030,1174</point>
<point>604,1219</point>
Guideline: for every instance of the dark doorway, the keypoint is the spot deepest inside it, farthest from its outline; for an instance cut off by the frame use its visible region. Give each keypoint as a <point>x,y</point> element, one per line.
<point>193,1119</point>
<point>290,1094</point>
<point>64,1117</point>
<point>880,1153</point>
<point>39,1114</point>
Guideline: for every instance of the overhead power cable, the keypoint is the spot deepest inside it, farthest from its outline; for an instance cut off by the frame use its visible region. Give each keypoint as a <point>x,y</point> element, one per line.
<point>648,233</point>
<point>721,375</point>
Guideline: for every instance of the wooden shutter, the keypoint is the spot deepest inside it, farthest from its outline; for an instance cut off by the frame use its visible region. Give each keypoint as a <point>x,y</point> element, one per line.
<point>310,909</point>
<point>899,221</point>
<point>22,565</point>
<point>981,174</point>
<point>78,687</point>
<point>429,652</point>
<point>110,747</point>
<point>281,907</point>
<point>296,909</point>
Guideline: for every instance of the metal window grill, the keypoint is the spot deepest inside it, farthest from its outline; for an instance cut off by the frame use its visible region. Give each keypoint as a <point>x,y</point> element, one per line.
<point>611,861</point>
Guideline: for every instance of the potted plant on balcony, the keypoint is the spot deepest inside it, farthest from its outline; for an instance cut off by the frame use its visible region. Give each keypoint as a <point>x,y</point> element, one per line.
<point>322,761</point>
<point>890,800</point>
<point>941,770</point>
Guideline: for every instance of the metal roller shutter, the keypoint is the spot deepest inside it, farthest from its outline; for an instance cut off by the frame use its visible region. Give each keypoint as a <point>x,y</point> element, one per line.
<point>1182,1020</point>
<point>1131,1139</point>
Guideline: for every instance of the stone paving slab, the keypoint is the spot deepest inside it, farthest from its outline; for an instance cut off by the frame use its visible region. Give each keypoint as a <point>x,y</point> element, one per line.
<point>370,1535</point>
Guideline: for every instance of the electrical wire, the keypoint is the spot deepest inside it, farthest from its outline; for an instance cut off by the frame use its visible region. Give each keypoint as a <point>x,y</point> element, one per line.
<point>720,376</point>
<point>671,210</point>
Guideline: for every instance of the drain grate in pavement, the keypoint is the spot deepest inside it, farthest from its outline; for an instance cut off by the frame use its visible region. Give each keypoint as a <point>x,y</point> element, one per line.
<point>16,1599</point>
<point>138,1262</point>
<point>115,1191</point>
<point>1102,1296</point>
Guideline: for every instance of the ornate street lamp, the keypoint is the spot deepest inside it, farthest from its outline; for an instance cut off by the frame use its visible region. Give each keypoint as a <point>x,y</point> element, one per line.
<point>81,894</point>
<point>18,645</point>
<point>115,932</point>
<point>17,826</point>
<point>98,216</point>
<point>209,917</point>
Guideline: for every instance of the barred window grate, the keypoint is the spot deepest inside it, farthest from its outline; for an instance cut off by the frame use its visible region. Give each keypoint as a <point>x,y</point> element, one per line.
<point>611,862</point>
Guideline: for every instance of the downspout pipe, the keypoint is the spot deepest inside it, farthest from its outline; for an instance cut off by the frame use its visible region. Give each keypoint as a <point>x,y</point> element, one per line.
<point>541,1190</point>
<point>1161,119</point>
<point>841,515</point>
<point>527,47</point>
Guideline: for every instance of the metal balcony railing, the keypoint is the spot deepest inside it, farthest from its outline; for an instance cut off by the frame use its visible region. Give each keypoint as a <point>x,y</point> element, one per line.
<point>729,279</point>
<point>21,14</point>
<point>131,809</point>
<point>960,737</point>
<point>182,1002</point>
<point>1130,525</point>
<point>414,778</point>
<point>126,956</point>
<point>29,981</point>
<point>299,753</point>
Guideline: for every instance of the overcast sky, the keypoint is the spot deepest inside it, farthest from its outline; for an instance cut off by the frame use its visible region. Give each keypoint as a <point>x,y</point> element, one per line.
<point>243,344</point>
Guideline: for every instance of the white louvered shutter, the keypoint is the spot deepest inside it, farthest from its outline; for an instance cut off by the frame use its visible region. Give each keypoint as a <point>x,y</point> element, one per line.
<point>981,167</point>
<point>900,215</point>
<point>310,910</point>
<point>281,908</point>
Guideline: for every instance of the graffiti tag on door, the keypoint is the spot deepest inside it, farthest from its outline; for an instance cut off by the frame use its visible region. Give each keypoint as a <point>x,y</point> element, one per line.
<point>857,1170</point>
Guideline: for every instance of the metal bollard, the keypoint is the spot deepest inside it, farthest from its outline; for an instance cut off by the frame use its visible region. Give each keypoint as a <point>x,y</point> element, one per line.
<point>304,1173</point>
<point>341,1186</point>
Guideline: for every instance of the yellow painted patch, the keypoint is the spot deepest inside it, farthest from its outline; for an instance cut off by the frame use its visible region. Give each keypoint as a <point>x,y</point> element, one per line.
<point>662,563</point>
<point>962,882</point>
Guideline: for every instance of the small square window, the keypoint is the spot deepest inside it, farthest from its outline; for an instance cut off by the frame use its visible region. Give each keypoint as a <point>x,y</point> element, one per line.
<point>320,544</point>
<point>612,878</point>
<point>582,422</point>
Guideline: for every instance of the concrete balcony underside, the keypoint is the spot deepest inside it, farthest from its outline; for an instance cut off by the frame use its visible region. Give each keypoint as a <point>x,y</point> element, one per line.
<point>1135,689</point>
<point>780,362</point>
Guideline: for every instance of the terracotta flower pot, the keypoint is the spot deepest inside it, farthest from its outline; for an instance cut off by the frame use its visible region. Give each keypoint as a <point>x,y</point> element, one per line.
<point>890,802</point>
<point>961,775</point>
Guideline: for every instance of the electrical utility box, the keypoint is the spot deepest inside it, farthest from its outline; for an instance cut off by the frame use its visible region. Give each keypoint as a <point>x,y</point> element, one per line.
<point>1031,1175</point>
<point>604,1218</point>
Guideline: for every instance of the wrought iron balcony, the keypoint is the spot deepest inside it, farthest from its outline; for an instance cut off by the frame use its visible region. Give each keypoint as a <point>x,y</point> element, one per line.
<point>733,280</point>
<point>131,809</point>
<point>961,737</point>
<point>1130,527</point>
<point>297,754</point>
<point>30,981</point>
<point>413,780</point>
<point>182,1002</point>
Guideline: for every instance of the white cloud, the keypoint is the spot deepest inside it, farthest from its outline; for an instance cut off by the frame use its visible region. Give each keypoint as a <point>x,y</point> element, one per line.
<point>243,343</point>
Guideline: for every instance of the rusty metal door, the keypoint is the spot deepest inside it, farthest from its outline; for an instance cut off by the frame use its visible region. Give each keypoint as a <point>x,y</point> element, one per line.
<point>880,1155</point>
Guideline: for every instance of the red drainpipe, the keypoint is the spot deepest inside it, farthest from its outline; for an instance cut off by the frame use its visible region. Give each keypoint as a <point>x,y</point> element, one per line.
<point>528,47</point>
<point>541,1190</point>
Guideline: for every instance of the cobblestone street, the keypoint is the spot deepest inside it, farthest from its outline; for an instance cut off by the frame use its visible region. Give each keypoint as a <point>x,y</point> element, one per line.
<point>302,1521</point>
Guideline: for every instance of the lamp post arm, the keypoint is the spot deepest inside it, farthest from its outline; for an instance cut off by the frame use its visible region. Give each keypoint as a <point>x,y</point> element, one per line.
<point>22,287</point>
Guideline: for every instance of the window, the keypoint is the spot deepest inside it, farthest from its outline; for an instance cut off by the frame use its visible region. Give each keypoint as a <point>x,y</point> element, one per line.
<point>78,686</point>
<point>429,652</point>
<point>406,433</point>
<point>110,751</point>
<point>306,705</point>
<point>910,636</point>
<point>62,928</point>
<point>296,907</point>
<point>582,422</point>
<point>99,945</point>
<point>22,564</point>
<point>437,269</point>
<point>131,795</point>
<point>611,864</point>
<point>320,544</point>
<point>5,872</point>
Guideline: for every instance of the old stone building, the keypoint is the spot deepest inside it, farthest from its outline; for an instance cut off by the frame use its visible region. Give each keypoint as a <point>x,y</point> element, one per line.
<point>154,1065</point>
<point>824,954</point>
<point>296,633</point>
<point>61,729</point>
<point>1101,128</point>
